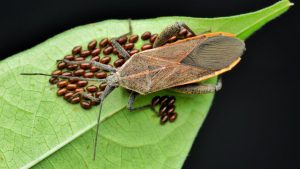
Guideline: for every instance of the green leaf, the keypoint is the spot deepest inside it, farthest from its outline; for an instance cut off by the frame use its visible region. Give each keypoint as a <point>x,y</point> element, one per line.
<point>35,123</point>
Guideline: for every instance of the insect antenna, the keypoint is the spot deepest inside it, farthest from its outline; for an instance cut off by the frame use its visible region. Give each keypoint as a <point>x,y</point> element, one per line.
<point>64,77</point>
<point>41,74</point>
<point>109,88</point>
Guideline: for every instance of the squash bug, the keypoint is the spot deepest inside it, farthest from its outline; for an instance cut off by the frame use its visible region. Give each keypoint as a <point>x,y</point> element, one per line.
<point>178,66</point>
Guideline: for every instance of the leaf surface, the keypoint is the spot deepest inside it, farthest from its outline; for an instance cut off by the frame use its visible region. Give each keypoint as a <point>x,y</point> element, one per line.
<point>35,123</point>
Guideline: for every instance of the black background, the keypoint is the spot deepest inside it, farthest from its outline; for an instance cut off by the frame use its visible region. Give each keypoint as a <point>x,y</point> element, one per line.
<point>254,121</point>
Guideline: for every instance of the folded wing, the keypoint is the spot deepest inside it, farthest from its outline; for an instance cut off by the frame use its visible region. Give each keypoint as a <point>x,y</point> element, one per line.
<point>215,53</point>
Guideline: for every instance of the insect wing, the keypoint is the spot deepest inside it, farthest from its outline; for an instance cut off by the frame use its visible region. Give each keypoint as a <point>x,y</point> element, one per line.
<point>215,53</point>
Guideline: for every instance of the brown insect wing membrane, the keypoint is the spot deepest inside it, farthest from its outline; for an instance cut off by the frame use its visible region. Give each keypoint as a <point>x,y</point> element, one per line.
<point>215,53</point>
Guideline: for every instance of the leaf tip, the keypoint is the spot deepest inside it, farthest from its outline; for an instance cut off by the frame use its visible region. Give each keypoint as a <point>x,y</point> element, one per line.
<point>289,3</point>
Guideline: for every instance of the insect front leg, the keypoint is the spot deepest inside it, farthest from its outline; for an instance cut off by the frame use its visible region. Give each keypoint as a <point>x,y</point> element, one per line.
<point>183,25</point>
<point>169,31</point>
<point>197,88</point>
<point>94,63</point>
<point>130,29</point>
<point>120,49</point>
<point>131,100</point>
<point>118,46</point>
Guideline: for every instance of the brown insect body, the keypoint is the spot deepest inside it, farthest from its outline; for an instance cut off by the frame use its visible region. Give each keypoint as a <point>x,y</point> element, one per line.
<point>183,62</point>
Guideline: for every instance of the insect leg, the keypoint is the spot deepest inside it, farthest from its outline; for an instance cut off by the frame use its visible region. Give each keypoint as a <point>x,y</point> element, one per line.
<point>205,32</point>
<point>131,102</point>
<point>94,63</point>
<point>197,88</point>
<point>109,88</point>
<point>120,49</point>
<point>183,25</point>
<point>130,29</point>
<point>117,45</point>
<point>168,32</point>
<point>85,95</point>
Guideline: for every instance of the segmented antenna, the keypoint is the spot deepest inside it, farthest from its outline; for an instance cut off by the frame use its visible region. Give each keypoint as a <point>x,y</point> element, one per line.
<point>97,130</point>
<point>65,77</point>
<point>107,90</point>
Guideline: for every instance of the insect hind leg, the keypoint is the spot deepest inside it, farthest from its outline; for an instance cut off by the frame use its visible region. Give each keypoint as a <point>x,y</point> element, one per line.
<point>169,31</point>
<point>198,88</point>
<point>183,25</point>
